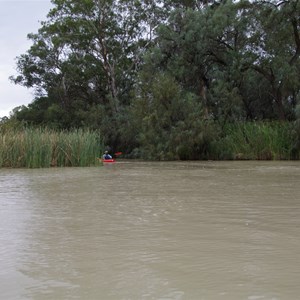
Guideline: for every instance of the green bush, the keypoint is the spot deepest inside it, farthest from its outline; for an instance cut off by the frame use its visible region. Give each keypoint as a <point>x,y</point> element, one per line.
<point>256,140</point>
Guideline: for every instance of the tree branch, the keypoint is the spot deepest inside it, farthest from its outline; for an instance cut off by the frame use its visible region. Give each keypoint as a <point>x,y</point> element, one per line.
<point>297,41</point>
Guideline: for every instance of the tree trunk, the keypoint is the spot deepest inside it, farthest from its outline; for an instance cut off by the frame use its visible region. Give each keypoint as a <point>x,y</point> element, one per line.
<point>203,90</point>
<point>108,67</point>
<point>276,89</point>
<point>279,102</point>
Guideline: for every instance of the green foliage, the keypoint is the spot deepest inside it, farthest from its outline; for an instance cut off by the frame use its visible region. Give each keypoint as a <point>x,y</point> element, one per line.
<point>167,79</point>
<point>171,123</point>
<point>230,49</point>
<point>258,141</point>
<point>84,61</point>
<point>296,134</point>
<point>43,148</point>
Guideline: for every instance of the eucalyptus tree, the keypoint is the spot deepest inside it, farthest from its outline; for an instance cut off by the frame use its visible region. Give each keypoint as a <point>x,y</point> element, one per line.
<point>86,54</point>
<point>273,50</point>
<point>240,58</point>
<point>223,63</point>
<point>260,47</point>
<point>203,50</point>
<point>171,111</point>
<point>190,4</point>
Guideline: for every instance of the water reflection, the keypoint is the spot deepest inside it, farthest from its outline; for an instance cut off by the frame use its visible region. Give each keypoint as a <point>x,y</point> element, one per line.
<point>135,230</point>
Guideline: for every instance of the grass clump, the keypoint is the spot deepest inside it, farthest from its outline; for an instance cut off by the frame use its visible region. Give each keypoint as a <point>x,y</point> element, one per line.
<point>256,141</point>
<point>43,148</point>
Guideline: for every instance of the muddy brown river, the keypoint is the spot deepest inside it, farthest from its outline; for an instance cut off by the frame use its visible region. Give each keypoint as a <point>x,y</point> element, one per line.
<point>151,230</point>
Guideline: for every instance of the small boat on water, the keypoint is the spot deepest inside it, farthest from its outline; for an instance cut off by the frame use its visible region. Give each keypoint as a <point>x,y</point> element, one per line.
<point>111,160</point>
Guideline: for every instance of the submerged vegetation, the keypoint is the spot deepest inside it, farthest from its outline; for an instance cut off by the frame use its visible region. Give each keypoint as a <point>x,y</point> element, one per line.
<point>160,80</point>
<point>42,148</point>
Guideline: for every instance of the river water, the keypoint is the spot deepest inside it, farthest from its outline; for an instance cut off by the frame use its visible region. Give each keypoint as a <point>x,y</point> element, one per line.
<point>151,230</point>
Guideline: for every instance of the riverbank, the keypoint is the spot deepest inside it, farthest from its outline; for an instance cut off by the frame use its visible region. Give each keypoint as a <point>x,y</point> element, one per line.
<point>43,148</point>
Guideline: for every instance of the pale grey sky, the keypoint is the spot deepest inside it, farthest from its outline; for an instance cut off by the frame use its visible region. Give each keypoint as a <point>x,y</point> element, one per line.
<point>17,19</point>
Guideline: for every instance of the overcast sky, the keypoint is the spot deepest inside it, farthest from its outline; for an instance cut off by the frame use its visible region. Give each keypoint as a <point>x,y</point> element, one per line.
<point>17,19</point>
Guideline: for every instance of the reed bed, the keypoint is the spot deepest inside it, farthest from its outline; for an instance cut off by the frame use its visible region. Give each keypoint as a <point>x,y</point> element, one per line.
<point>43,148</point>
<point>257,141</point>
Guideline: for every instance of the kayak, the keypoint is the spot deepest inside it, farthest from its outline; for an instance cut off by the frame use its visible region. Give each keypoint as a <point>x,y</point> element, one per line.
<point>108,160</point>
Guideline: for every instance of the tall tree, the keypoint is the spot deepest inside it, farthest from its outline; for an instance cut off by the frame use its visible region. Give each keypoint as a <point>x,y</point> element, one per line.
<point>218,51</point>
<point>87,53</point>
<point>274,43</point>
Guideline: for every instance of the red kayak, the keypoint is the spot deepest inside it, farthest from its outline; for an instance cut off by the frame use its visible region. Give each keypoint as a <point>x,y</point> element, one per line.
<point>108,160</point>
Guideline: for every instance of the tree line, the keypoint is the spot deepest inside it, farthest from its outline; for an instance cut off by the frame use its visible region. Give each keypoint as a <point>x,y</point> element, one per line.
<point>164,79</point>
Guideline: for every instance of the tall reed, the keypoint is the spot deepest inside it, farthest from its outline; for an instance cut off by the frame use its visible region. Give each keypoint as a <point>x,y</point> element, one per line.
<point>256,140</point>
<point>42,148</point>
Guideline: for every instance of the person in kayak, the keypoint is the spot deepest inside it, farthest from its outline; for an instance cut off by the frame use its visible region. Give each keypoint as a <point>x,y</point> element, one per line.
<point>106,155</point>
